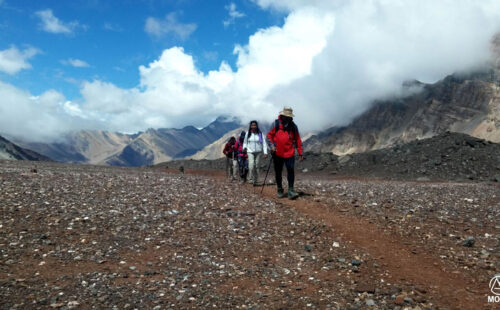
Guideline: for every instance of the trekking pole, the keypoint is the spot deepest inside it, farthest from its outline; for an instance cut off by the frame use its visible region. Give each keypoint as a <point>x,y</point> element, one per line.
<point>267,172</point>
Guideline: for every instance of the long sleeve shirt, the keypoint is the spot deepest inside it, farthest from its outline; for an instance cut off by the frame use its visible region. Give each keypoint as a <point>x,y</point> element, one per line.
<point>253,143</point>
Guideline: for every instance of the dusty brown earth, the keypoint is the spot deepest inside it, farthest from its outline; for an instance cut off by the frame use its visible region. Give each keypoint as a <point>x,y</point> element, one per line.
<point>88,237</point>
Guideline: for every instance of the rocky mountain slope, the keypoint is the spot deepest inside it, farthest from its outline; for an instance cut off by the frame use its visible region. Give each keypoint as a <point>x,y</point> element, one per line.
<point>466,103</point>
<point>9,150</point>
<point>214,150</point>
<point>155,146</point>
<point>448,156</point>
<point>85,146</point>
<point>143,148</point>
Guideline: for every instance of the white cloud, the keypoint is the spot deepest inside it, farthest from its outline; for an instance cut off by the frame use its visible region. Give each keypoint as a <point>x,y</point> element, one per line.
<point>176,93</point>
<point>34,118</point>
<point>328,61</point>
<point>160,28</point>
<point>211,55</point>
<point>377,45</point>
<point>233,14</point>
<point>112,27</point>
<point>52,24</point>
<point>77,63</point>
<point>12,60</point>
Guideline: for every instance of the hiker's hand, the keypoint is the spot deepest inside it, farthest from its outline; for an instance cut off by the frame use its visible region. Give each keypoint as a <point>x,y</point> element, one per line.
<point>273,149</point>
<point>265,155</point>
<point>301,158</point>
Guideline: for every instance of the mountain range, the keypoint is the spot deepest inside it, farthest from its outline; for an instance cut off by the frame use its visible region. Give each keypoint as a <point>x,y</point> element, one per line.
<point>143,148</point>
<point>464,103</point>
<point>9,150</point>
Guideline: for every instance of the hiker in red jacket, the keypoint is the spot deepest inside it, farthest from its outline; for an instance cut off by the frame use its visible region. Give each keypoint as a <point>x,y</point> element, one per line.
<point>285,138</point>
<point>231,162</point>
<point>242,157</point>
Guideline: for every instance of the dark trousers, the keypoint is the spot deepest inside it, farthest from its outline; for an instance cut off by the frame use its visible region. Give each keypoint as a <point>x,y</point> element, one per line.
<point>243,167</point>
<point>278,170</point>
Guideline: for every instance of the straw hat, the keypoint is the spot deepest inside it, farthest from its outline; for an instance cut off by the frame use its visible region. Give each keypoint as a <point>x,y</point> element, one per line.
<point>287,111</point>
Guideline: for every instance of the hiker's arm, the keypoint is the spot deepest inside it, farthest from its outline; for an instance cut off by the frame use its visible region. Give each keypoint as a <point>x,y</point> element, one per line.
<point>245,141</point>
<point>270,136</point>
<point>298,141</point>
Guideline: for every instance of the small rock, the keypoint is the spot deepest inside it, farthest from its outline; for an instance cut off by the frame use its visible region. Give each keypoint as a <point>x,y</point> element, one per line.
<point>400,300</point>
<point>356,262</point>
<point>361,288</point>
<point>423,179</point>
<point>469,242</point>
<point>57,305</point>
<point>370,302</point>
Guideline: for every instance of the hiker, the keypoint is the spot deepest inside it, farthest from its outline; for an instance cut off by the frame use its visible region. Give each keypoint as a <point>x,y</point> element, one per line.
<point>231,162</point>
<point>255,145</point>
<point>242,157</point>
<point>285,138</point>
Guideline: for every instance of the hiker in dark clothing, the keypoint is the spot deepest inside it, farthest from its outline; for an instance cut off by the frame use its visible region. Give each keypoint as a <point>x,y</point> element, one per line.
<point>231,161</point>
<point>285,138</point>
<point>242,157</point>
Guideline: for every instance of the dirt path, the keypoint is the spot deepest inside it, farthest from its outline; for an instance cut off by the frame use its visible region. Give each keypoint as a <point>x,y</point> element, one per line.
<point>446,287</point>
<point>449,288</point>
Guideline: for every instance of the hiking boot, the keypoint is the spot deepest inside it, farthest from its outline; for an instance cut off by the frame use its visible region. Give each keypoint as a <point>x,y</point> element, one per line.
<point>281,193</point>
<point>292,194</point>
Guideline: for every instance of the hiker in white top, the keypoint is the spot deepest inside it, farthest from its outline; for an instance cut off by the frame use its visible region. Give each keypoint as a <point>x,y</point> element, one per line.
<point>255,144</point>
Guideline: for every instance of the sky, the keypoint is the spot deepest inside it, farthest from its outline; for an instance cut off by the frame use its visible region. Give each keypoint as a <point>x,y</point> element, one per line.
<point>131,65</point>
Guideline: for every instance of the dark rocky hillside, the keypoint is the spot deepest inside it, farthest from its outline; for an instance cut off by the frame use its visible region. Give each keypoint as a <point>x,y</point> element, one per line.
<point>466,103</point>
<point>449,156</point>
<point>9,150</point>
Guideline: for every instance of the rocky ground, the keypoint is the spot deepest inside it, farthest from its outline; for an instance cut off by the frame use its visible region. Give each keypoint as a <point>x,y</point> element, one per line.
<point>88,237</point>
<point>447,157</point>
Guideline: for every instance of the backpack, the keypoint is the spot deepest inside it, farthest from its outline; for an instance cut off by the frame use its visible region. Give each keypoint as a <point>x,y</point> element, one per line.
<point>229,150</point>
<point>239,149</point>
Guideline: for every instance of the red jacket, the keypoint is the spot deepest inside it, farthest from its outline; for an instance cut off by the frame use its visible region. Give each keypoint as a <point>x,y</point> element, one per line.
<point>284,141</point>
<point>239,149</point>
<point>230,150</point>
